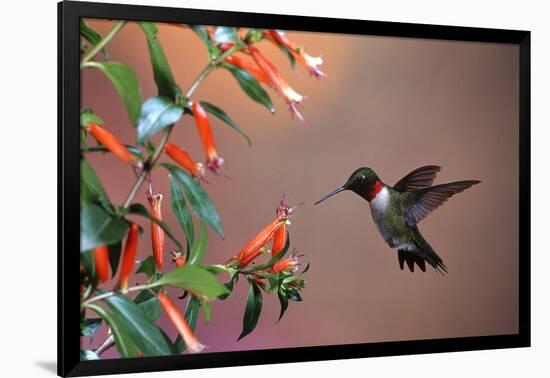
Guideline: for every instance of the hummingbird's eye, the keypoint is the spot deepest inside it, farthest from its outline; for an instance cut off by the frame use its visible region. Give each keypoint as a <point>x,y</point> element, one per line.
<point>362,177</point>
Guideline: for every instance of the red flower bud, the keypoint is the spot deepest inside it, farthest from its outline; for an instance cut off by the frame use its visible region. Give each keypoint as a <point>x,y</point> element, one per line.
<point>101,260</point>
<point>128,257</point>
<point>157,233</point>
<point>178,320</point>
<point>279,240</point>
<point>111,143</point>
<point>251,250</point>
<point>182,158</point>
<point>178,258</point>
<point>213,161</point>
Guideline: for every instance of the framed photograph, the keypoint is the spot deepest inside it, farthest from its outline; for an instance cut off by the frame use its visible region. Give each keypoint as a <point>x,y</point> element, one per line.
<point>252,188</point>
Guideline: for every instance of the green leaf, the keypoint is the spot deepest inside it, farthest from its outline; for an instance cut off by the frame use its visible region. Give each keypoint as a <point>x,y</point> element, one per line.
<point>125,82</point>
<point>198,199</point>
<point>213,50</point>
<point>145,334</point>
<point>87,117</point>
<point>91,188</point>
<point>147,267</point>
<point>252,310</point>
<point>99,228</point>
<point>156,114</point>
<point>283,300</point>
<point>197,280</point>
<point>191,317</point>
<point>139,209</point>
<point>89,326</point>
<point>92,36</point>
<point>179,208</point>
<point>114,256</point>
<point>100,148</point>
<point>88,264</point>
<point>88,355</point>
<point>250,86</point>
<point>123,342</point>
<point>161,69</point>
<point>196,254</point>
<point>149,304</point>
<point>212,109</point>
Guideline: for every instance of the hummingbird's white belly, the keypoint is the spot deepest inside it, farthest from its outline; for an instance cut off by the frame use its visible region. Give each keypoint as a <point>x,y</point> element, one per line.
<point>379,207</point>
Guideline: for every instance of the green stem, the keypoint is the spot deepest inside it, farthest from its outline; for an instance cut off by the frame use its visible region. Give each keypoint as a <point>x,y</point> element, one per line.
<point>111,293</point>
<point>97,48</point>
<point>160,147</point>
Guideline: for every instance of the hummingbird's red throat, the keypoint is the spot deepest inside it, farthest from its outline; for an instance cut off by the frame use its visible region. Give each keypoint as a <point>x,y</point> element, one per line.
<point>376,188</point>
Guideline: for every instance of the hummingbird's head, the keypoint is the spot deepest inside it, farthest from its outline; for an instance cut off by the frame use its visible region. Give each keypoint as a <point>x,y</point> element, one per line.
<point>361,182</point>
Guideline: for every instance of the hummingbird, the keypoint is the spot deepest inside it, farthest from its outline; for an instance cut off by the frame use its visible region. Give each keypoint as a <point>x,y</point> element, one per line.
<point>397,210</point>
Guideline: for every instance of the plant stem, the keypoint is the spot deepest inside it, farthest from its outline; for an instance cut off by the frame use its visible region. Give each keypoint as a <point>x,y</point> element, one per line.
<point>97,48</point>
<point>211,66</point>
<point>111,293</point>
<point>105,345</point>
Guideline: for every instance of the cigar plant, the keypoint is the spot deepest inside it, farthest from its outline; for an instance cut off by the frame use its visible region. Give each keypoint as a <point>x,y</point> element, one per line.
<point>127,296</point>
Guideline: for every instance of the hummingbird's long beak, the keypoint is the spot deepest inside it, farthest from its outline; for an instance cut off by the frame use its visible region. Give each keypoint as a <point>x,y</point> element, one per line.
<point>341,189</point>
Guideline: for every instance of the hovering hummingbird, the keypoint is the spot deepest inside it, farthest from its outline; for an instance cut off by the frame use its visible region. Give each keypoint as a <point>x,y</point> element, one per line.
<point>397,210</point>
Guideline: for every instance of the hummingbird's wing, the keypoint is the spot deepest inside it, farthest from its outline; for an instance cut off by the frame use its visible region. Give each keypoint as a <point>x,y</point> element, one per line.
<point>423,201</point>
<point>417,179</point>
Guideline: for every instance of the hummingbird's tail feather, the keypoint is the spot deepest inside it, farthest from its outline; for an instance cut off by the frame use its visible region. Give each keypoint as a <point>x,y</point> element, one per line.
<point>422,253</point>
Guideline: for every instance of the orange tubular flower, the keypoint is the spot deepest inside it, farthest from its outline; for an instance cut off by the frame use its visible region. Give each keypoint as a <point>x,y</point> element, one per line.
<point>252,249</point>
<point>279,240</point>
<point>111,143</point>
<point>128,257</point>
<point>251,257</point>
<point>178,258</point>
<point>157,234</point>
<point>249,67</point>
<point>182,158</point>
<point>178,320</point>
<point>288,264</point>
<point>292,98</point>
<point>312,63</point>
<point>101,260</point>
<point>213,161</point>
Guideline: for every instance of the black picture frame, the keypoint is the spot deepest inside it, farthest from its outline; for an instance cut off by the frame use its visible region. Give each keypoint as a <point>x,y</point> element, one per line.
<point>69,13</point>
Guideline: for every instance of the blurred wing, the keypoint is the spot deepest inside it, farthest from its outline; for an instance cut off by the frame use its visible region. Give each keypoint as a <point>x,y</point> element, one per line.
<point>423,201</point>
<point>417,179</point>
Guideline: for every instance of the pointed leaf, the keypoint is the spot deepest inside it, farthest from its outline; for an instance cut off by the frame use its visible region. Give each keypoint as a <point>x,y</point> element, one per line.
<point>226,34</point>
<point>147,267</point>
<point>196,254</point>
<point>283,300</point>
<point>212,109</point>
<point>91,188</point>
<point>99,228</point>
<point>114,256</point>
<point>252,311</point>
<point>161,69</point>
<point>149,304</point>
<point>123,342</point>
<point>197,280</point>
<point>198,199</point>
<point>250,86</point>
<point>213,50</point>
<point>145,334</point>
<point>125,82</point>
<point>92,36</point>
<point>156,114</point>
<point>179,208</point>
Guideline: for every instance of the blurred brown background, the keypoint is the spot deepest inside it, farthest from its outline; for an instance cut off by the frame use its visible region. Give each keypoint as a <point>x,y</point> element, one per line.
<point>393,104</point>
